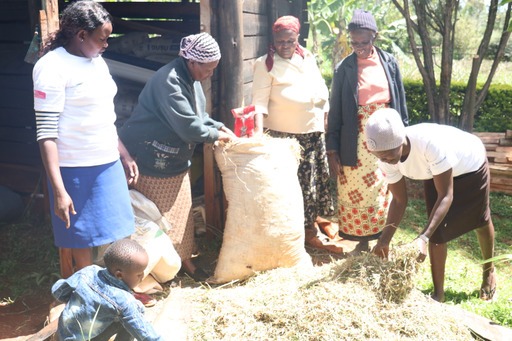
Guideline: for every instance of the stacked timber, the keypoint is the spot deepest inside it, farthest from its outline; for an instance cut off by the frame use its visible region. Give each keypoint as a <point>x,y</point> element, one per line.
<point>499,154</point>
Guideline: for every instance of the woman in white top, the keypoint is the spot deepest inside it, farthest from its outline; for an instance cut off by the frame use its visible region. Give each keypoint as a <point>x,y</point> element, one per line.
<point>453,165</point>
<point>73,101</point>
<point>291,98</point>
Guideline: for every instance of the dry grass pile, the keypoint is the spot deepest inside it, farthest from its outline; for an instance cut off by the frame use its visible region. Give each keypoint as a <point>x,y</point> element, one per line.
<point>344,300</point>
<point>391,280</point>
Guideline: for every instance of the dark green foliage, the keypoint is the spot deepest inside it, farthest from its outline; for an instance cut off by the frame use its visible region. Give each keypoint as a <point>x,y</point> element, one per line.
<point>495,114</point>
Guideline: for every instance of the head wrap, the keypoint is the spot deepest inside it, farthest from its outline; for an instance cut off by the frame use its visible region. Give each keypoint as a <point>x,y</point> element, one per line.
<point>287,22</point>
<point>384,130</point>
<point>200,48</point>
<point>362,19</point>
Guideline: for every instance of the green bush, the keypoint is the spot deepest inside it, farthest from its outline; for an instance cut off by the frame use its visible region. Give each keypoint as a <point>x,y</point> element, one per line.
<point>495,114</point>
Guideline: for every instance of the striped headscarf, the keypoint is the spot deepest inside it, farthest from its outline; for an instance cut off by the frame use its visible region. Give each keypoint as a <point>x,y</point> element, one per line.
<point>286,22</point>
<point>201,48</point>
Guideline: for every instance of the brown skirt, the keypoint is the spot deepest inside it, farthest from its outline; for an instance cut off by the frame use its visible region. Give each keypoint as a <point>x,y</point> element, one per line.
<point>173,197</point>
<point>470,207</point>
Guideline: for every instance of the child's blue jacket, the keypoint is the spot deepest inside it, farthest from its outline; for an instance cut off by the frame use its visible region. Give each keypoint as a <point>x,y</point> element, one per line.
<point>94,300</point>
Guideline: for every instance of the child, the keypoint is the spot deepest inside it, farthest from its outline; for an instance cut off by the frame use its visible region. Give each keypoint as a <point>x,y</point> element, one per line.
<point>99,301</point>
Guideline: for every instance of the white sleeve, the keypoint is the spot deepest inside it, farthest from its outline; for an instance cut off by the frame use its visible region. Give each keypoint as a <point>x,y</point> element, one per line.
<point>391,173</point>
<point>439,156</point>
<point>49,86</point>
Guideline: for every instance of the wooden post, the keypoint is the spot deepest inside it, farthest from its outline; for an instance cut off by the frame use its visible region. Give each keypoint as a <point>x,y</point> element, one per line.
<point>49,18</point>
<point>231,64</point>
<point>229,95</point>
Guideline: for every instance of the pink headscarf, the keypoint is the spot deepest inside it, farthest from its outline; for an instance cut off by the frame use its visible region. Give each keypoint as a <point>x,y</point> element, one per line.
<point>287,22</point>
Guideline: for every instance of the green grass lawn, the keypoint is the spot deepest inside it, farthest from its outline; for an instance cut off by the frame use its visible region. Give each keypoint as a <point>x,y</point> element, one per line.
<point>463,271</point>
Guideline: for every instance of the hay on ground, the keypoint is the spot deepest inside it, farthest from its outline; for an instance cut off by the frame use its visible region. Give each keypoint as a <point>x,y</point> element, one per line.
<point>325,303</point>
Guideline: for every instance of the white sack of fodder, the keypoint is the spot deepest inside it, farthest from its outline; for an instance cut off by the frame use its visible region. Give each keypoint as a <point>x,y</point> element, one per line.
<point>265,217</point>
<point>151,232</point>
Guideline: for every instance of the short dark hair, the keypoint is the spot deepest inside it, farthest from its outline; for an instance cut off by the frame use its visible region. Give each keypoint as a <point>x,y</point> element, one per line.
<point>119,255</point>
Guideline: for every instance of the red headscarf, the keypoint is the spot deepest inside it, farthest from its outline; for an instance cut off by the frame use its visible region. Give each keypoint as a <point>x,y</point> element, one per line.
<point>287,22</point>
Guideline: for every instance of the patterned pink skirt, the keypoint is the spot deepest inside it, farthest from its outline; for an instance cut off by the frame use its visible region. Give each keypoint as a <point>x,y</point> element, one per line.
<point>173,197</point>
<point>363,197</point>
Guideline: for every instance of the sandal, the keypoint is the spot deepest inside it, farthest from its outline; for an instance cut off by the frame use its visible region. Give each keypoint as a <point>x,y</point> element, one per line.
<point>145,299</point>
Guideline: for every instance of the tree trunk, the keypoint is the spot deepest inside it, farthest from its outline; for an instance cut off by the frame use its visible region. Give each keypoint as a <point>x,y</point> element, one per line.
<point>472,99</point>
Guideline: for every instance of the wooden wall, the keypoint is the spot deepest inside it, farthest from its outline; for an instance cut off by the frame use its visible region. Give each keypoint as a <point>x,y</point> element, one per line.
<point>258,17</point>
<point>20,163</point>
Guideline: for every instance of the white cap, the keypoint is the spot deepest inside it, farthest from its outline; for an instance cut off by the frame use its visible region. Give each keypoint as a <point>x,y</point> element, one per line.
<point>384,130</point>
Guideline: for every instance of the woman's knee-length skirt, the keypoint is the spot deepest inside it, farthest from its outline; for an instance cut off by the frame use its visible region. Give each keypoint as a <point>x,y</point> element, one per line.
<point>470,206</point>
<point>102,203</point>
<point>173,197</point>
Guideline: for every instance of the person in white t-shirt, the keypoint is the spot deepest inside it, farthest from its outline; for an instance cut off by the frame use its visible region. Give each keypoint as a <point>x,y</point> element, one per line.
<point>80,150</point>
<point>453,165</point>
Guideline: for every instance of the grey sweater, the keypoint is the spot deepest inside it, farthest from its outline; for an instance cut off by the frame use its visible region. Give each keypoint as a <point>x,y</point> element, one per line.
<point>168,121</point>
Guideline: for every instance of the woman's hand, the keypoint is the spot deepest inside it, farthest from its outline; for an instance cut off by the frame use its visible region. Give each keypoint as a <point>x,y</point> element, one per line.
<point>63,206</point>
<point>422,244</point>
<point>381,250</point>
<point>131,170</point>
<point>335,167</point>
<point>226,134</point>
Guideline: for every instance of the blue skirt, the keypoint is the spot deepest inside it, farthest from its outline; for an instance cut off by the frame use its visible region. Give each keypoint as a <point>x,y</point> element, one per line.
<point>102,203</point>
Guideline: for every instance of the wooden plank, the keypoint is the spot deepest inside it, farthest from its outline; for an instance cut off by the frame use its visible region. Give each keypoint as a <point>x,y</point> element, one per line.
<point>505,141</point>
<point>247,93</point>
<point>497,180</point>
<point>255,25</point>
<point>497,157</point>
<point>504,149</point>
<point>231,43</point>
<point>43,26</point>
<point>52,14</point>
<point>15,31</point>
<point>255,6</point>
<point>16,117</point>
<point>248,70</point>
<point>500,170</point>
<point>158,27</point>
<point>169,10</point>
<point>20,153</point>
<point>12,98</point>
<point>490,147</point>
<point>501,189</point>
<point>214,207</point>
<point>490,139</point>
<point>17,134</point>
<point>14,11</point>
<point>489,134</point>
<point>21,178</point>
<point>12,60</point>
<point>508,134</point>
<point>254,47</point>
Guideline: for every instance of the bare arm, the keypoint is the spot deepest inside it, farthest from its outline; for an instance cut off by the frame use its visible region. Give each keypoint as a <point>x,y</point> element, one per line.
<point>395,215</point>
<point>130,166</point>
<point>63,204</point>
<point>444,187</point>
